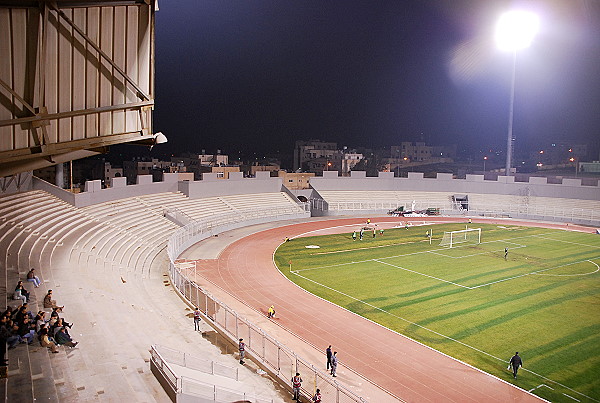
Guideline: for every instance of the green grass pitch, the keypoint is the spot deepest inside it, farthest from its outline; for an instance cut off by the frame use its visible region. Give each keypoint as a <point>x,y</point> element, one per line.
<point>468,301</point>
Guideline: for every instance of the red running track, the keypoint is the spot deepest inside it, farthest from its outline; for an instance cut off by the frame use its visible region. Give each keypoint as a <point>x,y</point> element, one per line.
<point>403,367</point>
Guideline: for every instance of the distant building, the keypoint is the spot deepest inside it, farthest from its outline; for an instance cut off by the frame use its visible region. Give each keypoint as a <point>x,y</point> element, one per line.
<point>589,167</point>
<point>315,154</point>
<point>224,171</point>
<point>154,167</point>
<point>252,169</point>
<point>296,180</point>
<point>110,172</point>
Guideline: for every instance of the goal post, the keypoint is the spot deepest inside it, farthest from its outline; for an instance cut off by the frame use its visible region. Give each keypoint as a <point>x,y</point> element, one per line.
<point>469,235</point>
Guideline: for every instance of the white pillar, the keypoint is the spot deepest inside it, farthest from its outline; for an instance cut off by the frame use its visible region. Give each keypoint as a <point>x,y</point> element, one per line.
<point>60,176</point>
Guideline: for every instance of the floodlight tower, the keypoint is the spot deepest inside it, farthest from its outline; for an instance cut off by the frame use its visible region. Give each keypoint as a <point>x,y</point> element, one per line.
<point>514,31</point>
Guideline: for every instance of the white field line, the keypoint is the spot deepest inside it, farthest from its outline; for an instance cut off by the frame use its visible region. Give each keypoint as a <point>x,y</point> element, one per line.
<point>414,242</point>
<point>490,283</point>
<point>425,275</point>
<point>540,386</point>
<point>571,275</point>
<point>479,253</point>
<point>405,254</point>
<point>577,400</point>
<point>573,243</point>
<point>437,333</point>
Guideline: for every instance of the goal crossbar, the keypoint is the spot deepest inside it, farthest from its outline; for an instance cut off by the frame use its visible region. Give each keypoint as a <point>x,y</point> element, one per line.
<point>469,235</point>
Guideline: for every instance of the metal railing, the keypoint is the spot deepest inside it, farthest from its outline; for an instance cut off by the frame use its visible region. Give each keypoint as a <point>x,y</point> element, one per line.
<point>549,213</point>
<point>161,356</point>
<point>282,361</point>
<point>197,364</point>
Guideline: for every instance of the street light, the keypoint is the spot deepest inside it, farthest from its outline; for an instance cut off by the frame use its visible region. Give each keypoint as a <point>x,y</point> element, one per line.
<point>484,160</point>
<point>514,31</point>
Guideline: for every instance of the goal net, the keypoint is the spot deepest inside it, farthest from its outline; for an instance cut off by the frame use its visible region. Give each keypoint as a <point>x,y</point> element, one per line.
<point>452,238</point>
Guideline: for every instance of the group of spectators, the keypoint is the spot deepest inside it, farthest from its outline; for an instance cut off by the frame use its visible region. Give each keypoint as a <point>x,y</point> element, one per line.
<point>20,325</point>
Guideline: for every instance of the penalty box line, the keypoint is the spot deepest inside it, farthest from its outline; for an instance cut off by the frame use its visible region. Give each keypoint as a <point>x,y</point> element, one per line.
<point>435,251</point>
<point>428,330</point>
<point>490,283</point>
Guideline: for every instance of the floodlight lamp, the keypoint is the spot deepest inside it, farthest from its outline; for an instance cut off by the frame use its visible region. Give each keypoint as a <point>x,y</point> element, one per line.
<point>515,30</point>
<point>160,138</point>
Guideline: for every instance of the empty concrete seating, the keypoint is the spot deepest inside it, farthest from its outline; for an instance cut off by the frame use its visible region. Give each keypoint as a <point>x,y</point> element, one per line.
<point>384,199</point>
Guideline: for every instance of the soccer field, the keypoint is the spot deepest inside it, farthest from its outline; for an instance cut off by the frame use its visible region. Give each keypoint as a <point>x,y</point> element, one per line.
<point>470,302</point>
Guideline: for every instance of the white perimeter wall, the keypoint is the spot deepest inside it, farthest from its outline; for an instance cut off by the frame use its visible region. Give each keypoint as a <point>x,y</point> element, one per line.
<point>505,185</point>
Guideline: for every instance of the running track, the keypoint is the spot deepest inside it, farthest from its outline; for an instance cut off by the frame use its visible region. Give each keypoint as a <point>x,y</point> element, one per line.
<point>401,366</point>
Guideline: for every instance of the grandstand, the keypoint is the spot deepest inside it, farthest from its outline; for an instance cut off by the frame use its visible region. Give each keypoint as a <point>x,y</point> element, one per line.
<point>123,246</point>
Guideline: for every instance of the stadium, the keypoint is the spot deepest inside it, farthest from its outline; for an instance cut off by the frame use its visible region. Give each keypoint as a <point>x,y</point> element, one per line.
<point>130,263</point>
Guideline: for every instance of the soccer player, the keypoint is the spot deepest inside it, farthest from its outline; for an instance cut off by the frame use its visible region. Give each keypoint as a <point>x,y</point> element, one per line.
<point>505,253</point>
<point>354,236</point>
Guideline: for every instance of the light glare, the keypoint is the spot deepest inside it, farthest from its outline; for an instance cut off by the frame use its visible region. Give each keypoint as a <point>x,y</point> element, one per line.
<point>515,30</point>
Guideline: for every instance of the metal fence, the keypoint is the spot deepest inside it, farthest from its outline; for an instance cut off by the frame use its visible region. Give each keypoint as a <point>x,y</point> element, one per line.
<point>281,361</point>
<point>524,211</point>
<point>162,356</point>
<point>195,363</point>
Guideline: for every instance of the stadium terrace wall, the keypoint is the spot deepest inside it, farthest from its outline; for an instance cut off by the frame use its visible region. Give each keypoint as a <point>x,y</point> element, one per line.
<point>505,185</point>
<point>208,187</point>
<point>535,187</point>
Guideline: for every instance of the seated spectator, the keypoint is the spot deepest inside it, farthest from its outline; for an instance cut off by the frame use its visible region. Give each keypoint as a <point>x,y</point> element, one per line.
<point>20,292</point>
<point>47,341</point>
<point>58,324</point>
<point>5,334</point>
<point>54,317</point>
<point>12,338</point>
<point>50,303</point>
<point>9,312</point>
<point>26,330</point>
<point>62,337</point>
<point>33,278</point>
<point>22,288</point>
<point>22,312</point>
<point>40,321</point>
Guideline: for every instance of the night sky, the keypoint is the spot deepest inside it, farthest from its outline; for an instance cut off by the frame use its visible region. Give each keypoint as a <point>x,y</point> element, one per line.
<point>255,76</point>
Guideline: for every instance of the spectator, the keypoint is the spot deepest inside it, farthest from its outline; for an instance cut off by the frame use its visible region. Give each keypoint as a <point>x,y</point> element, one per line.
<point>25,330</point>
<point>12,338</point>
<point>50,303</point>
<point>197,316</point>
<point>62,337</point>
<point>22,288</point>
<point>40,321</point>
<point>296,386</point>
<point>46,341</point>
<point>21,313</point>
<point>33,278</point>
<point>4,335</point>
<point>58,324</point>
<point>20,292</point>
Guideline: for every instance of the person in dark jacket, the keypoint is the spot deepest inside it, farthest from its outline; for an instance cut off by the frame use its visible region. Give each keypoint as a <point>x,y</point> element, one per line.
<point>62,337</point>
<point>515,362</point>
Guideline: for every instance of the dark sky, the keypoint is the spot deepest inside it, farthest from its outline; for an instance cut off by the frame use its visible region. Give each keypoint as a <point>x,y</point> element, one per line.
<point>255,76</point>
